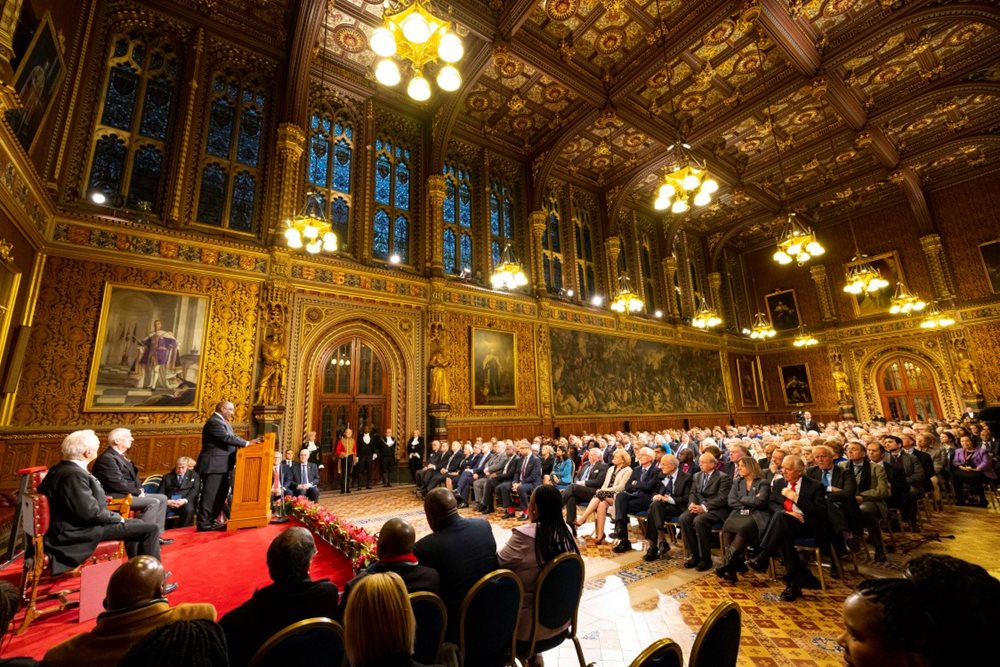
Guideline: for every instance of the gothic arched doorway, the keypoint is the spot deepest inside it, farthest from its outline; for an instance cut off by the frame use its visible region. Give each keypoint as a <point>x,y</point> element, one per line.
<point>907,391</point>
<point>351,389</point>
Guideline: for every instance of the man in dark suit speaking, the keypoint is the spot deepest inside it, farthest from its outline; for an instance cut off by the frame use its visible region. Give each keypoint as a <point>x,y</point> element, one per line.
<point>215,464</point>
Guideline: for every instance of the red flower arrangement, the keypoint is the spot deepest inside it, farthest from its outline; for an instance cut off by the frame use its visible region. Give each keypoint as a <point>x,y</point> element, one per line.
<point>356,543</point>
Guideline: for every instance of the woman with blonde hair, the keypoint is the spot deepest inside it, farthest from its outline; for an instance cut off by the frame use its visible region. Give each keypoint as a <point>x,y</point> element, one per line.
<point>379,626</point>
<point>604,499</point>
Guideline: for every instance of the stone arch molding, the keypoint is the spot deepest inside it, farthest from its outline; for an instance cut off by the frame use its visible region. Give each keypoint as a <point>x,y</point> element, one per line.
<point>319,325</point>
<point>934,361</point>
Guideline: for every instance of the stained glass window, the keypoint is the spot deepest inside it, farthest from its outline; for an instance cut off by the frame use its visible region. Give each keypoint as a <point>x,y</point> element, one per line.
<point>133,129</point>
<point>331,150</point>
<point>212,195</point>
<point>583,231</point>
<point>391,195</point>
<point>501,218</point>
<point>457,218</point>
<point>234,136</point>
<point>551,253</point>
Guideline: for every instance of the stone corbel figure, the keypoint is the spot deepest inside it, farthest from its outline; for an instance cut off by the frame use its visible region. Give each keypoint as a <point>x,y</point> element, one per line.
<point>271,387</point>
<point>967,375</point>
<point>439,379</point>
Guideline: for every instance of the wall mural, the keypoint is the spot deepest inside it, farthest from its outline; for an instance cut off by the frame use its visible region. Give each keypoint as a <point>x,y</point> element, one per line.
<point>595,373</point>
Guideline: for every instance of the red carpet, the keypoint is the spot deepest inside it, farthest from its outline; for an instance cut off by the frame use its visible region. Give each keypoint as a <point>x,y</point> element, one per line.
<point>222,568</point>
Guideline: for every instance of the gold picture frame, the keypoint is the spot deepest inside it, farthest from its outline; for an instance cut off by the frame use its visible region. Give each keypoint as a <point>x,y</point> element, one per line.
<point>36,81</point>
<point>746,381</point>
<point>887,263</point>
<point>989,252</point>
<point>796,384</point>
<point>149,351</point>
<point>493,368</point>
<point>10,280</point>
<point>783,308</point>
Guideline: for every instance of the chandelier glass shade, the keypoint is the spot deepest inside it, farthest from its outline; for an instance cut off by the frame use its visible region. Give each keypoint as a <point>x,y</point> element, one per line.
<point>310,229</point>
<point>706,317</point>
<point>905,303</point>
<point>761,328</point>
<point>804,340</point>
<point>864,278</point>
<point>686,187</point>
<point>508,274</point>
<point>413,33</point>
<point>627,300</point>
<point>797,243</point>
<point>936,319</point>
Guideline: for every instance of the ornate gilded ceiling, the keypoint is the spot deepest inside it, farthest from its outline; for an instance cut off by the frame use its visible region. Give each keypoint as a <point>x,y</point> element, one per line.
<point>798,104</point>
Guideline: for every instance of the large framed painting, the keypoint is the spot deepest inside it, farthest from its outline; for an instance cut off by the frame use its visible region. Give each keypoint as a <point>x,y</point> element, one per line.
<point>783,309</point>
<point>990,252</point>
<point>877,303</point>
<point>37,78</point>
<point>148,353</point>
<point>796,384</point>
<point>746,379</point>
<point>494,369</point>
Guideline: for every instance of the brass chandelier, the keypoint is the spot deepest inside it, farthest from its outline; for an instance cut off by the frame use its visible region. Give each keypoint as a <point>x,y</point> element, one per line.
<point>310,228</point>
<point>508,274</point>
<point>798,243</point>
<point>905,303</point>
<point>864,278</point>
<point>627,300</point>
<point>761,329</point>
<point>804,339</point>
<point>412,32</point>
<point>936,319</point>
<point>706,317</point>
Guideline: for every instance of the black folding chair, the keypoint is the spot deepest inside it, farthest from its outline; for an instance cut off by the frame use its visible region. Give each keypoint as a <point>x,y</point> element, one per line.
<point>432,621</point>
<point>661,653</point>
<point>557,600</point>
<point>718,641</point>
<point>497,597</point>
<point>318,641</point>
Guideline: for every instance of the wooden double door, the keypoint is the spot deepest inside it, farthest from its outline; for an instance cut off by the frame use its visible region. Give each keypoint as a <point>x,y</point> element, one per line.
<point>907,391</point>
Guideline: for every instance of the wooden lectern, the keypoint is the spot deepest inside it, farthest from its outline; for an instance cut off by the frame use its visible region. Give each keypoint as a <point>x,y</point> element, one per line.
<point>252,485</point>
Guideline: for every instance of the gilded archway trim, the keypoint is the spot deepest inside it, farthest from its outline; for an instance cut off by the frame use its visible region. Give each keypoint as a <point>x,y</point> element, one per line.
<point>870,403</point>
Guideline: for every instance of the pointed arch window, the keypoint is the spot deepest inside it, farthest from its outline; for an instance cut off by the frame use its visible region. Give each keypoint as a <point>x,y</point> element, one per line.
<point>457,219</point>
<point>136,121</point>
<point>329,167</point>
<point>583,231</point>
<point>229,194</point>
<point>501,218</point>
<point>391,195</point>
<point>552,258</point>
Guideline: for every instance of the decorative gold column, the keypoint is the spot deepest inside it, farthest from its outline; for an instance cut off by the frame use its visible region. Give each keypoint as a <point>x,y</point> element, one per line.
<point>10,10</point>
<point>437,366</point>
<point>537,220</point>
<point>937,265</point>
<point>186,148</point>
<point>823,293</point>
<point>715,289</point>
<point>669,272</point>
<point>18,337</point>
<point>435,222</point>
<point>287,181</point>
<point>613,248</point>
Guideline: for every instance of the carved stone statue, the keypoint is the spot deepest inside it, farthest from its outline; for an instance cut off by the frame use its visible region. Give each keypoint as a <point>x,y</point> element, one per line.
<point>840,383</point>
<point>272,378</point>
<point>439,379</point>
<point>967,375</point>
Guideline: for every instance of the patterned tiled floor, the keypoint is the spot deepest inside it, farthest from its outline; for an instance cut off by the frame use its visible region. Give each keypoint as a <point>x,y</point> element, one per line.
<point>627,603</point>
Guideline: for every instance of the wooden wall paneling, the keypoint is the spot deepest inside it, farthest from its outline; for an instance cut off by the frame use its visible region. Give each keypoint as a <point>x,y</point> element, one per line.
<point>966,216</point>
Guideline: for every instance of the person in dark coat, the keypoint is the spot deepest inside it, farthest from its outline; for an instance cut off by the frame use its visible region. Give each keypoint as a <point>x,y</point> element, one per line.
<point>78,513</point>
<point>366,454</point>
<point>385,447</point>
<point>415,449</point>
<point>636,497</point>
<point>585,484</point>
<point>120,477</point>
<point>216,462</point>
<point>180,486</point>
<point>292,597</point>
<point>461,550</point>
<point>669,501</point>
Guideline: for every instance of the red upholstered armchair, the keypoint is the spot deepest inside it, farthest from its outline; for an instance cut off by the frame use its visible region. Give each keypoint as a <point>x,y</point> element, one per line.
<point>38,584</point>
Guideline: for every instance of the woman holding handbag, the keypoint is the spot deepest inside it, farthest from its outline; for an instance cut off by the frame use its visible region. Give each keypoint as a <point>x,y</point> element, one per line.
<point>604,499</point>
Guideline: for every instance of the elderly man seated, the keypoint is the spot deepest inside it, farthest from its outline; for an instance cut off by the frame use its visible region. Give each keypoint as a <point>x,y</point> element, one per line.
<point>78,513</point>
<point>135,607</point>
<point>181,487</point>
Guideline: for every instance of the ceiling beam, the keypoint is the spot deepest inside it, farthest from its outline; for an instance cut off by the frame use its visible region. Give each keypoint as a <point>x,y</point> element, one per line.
<point>310,18</point>
<point>548,159</point>
<point>444,120</point>
<point>513,16</point>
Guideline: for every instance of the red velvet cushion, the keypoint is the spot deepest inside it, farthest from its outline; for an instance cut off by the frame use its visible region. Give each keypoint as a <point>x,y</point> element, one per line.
<point>106,551</point>
<point>41,512</point>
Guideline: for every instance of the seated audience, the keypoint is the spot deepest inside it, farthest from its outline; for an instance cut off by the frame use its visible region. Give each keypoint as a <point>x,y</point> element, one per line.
<point>280,479</point>
<point>198,643</point>
<point>614,482</point>
<point>562,469</point>
<point>379,626</point>
<point>668,502</point>
<point>433,461</point>
<point>585,484</point>
<point>395,554</point>
<point>449,463</point>
<point>527,475</point>
<point>135,607</point>
<point>749,500</point>
<point>841,489</point>
<point>708,504</point>
<point>972,466</point>
<point>120,477</point>
<point>496,477</point>
<point>180,487</point>
<point>872,491</point>
<point>906,481</point>
<point>798,509</point>
<point>461,550</point>
<point>305,477</point>
<point>636,497</point>
<point>78,513</point>
<point>472,472</point>
<point>292,597</point>
<point>531,547</point>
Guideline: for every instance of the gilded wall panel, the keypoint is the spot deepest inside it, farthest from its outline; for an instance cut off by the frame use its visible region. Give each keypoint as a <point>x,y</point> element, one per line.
<point>594,373</point>
<point>52,387</point>
<point>967,217</point>
<point>929,351</point>
<point>821,383</point>
<point>984,346</point>
<point>457,348</point>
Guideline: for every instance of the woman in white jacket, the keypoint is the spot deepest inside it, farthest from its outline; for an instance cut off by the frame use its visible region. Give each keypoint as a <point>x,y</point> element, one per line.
<point>604,499</point>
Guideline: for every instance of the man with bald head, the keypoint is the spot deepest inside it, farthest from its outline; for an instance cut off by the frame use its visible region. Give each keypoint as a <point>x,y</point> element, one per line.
<point>708,504</point>
<point>215,464</point>
<point>294,596</point>
<point>135,607</point>
<point>461,550</point>
<point>395,554</point>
